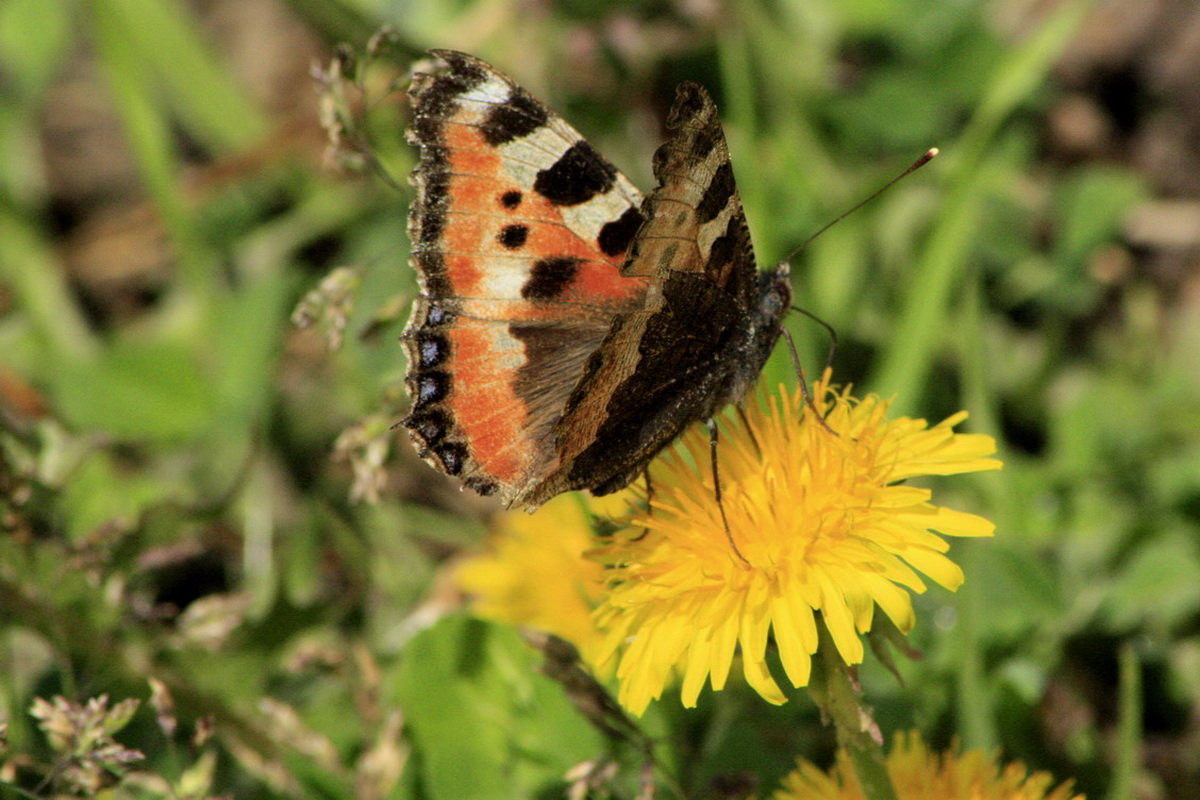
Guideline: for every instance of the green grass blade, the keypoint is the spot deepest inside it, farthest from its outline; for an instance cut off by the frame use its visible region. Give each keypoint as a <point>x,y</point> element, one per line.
<point>29,269</point>
<point>165,42</point>
<point>921,325</point>
<point>1129,725</point>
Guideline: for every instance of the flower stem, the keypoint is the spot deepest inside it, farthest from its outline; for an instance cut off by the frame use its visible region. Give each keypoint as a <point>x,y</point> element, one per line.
<point>835,689</point>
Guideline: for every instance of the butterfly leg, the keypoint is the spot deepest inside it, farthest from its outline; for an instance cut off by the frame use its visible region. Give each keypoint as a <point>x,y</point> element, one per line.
<point>833,338</point>
<point>808,398</point>
<point>713,441</point>
<point>649,504</point>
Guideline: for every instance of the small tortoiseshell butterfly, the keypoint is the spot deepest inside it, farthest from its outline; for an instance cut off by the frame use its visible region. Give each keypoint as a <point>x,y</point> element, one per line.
<point>568,328</point>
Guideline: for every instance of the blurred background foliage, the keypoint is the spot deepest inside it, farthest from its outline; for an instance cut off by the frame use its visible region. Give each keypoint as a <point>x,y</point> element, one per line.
<point>204,508</point>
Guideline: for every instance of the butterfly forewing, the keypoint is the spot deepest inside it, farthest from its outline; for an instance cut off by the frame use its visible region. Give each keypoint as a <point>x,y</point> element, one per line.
<point>518,228</point>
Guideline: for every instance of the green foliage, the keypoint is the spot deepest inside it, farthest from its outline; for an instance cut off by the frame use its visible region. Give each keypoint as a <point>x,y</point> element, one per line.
<point>473,696</point>
<point>175,498</point>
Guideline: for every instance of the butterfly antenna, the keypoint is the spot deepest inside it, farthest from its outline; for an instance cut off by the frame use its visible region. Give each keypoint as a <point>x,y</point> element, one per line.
<point>925,158</point>
<point>713,443</point>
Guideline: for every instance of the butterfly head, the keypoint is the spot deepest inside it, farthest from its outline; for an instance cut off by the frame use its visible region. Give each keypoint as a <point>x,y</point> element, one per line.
<point>774,297</point>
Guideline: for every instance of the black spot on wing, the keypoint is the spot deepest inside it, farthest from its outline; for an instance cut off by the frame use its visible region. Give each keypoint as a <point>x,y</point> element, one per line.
<point>615,236</point>
<point>723,248</point>
<point>515,118</point>
<point>717,195</point>
<point>481,486</point>
<point>690,101</point>
<point>550,277</point>
<point>731,261</point>
<point>513,236</point>
<point>435,96</point>
<point>510,199</point>
<point>578,176</point>
<point>465,71</point>
<point>706,139</point>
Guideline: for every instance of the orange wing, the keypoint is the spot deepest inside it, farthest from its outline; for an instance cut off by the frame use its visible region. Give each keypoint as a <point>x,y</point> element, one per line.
<point>519,231</point>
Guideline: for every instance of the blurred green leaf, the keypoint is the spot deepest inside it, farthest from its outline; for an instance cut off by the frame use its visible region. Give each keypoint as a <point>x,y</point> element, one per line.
<point>100,493</point>
<point>30,271</point>
<point>34,36</point>
<point>162,39</point>
<point>140,389</point>
<point>485,723</point>
<point>1019,589</point>
<point>1159,587</point>
<point>248,328</point>
<point>1092,203</point>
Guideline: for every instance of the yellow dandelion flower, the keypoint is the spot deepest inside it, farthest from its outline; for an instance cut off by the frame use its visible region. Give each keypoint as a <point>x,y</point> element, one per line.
<point>818,522</point>
<point>534,573</point>
<point>919,774</point>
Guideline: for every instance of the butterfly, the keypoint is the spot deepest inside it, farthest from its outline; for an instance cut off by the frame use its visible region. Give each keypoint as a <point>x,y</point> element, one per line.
<point>569,328</point>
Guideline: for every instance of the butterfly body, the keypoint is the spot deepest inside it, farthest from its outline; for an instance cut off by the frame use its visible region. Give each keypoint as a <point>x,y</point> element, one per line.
<point>568,328</point>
